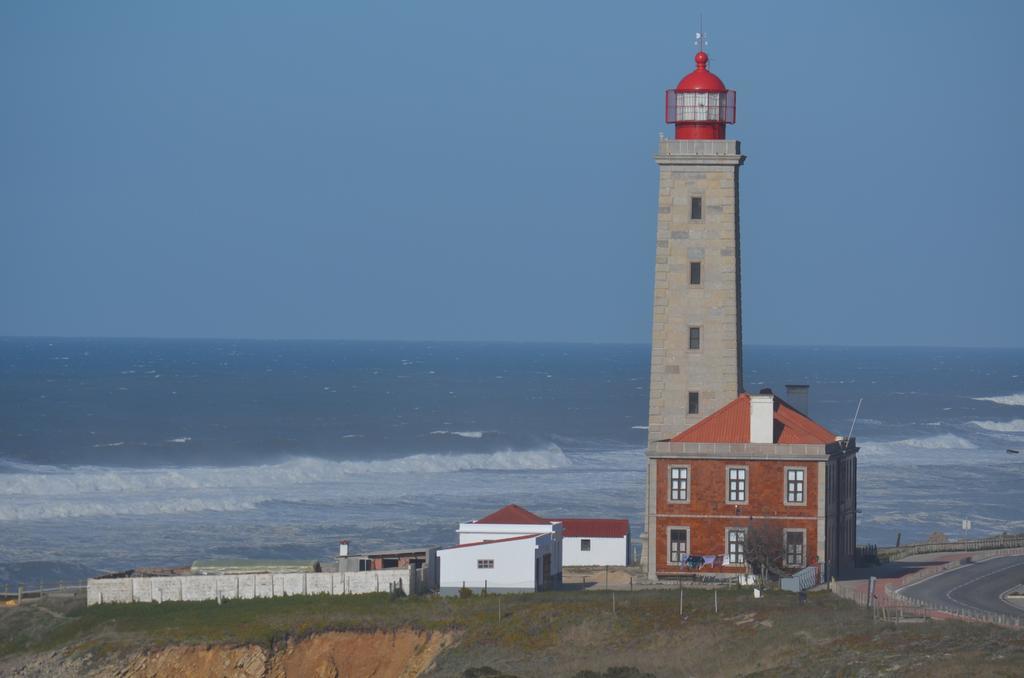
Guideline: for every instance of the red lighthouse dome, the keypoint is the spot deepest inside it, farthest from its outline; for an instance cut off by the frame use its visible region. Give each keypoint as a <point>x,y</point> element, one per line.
<point>700,106</point>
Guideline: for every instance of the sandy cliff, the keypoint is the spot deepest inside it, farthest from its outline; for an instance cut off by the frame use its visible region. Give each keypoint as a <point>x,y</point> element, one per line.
<point>398,654</point>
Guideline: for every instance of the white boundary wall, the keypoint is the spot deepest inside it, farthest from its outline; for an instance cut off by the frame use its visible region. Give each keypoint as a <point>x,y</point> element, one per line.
<point>243,586</point>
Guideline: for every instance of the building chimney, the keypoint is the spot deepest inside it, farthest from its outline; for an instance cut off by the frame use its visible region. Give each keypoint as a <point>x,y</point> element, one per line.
<point>762,418</point>
<point>799,396</point>
<point>343,548</point>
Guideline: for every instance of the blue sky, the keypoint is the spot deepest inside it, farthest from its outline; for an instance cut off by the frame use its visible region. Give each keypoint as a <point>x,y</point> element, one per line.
<point>471,170</point>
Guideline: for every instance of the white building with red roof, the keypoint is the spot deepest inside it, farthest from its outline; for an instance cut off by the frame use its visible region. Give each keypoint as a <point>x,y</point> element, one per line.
<point>515,550</point>
<point>509,551</point>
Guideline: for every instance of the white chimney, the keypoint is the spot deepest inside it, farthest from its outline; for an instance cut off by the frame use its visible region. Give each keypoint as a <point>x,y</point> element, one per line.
<point>343,549</point>
<point>762,418</point>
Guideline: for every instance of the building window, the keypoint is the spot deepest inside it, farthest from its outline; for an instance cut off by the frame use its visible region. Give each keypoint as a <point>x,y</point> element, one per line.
<point>694,272</point>
<point>485,564</point>
<point>678,544</point>
<point>694,338</point>
<point>736,540</point>
<point>737,485</point>
<point>693,404</point>
<point>795,483</point>
<point>696,208</point>
<point>794,548</point>
<point>584,544</point>
<point>679,483</point>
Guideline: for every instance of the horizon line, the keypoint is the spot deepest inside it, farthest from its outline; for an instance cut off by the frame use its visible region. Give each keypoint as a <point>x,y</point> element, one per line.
<point>595,342</point>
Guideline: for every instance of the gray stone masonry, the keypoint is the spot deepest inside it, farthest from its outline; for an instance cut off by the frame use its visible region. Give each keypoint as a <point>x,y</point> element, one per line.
<point>708,170</point>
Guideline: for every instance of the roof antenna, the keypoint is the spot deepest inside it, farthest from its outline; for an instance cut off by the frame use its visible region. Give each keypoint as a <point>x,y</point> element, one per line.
<point>855,415</point>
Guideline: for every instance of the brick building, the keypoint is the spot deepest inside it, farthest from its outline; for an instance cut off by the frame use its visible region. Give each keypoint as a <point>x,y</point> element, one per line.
<point>720,462</point>
<point>757,463</point>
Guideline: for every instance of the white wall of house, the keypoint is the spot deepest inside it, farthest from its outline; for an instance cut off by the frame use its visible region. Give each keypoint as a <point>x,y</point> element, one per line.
<point>603,551</point>
<point>514,564</point>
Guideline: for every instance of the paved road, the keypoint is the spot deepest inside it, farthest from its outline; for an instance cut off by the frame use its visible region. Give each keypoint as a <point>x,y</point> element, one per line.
<point>975,587</point>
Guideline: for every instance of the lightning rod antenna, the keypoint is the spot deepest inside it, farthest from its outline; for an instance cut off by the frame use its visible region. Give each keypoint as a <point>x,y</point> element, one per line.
<point>855,415</point>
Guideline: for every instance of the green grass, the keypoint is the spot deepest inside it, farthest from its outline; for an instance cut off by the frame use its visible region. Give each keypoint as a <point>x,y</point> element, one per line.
<point>571,629</point>
<point>529,621</point>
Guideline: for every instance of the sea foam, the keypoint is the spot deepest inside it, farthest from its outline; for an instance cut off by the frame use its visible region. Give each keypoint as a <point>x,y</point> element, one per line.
<point>1013,399</point>
<point>946,441</point>
<point>460,434</point>
<point>1014,426</point>
<point>944,448</point>
<point>49,481</point>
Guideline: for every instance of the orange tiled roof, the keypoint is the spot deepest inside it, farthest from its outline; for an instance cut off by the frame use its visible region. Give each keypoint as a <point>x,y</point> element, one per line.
<point>731,424</point>
<point>513,515</point>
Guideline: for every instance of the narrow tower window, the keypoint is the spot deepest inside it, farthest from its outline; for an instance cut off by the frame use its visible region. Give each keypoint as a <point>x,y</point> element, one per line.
<point>694,272</point>
<point>693,407</point>
<point>696,208</point>
<point>694,338</point>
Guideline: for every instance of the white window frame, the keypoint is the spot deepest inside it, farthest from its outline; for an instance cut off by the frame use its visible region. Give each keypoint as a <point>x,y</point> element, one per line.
<point>686,484</point>
<point>584,544</point>
<point>802,470</point>
<point>741,546</point>
<point>668,544</point>
<point>743,490</point>
<point>485,564</point>
<point>803,549</point>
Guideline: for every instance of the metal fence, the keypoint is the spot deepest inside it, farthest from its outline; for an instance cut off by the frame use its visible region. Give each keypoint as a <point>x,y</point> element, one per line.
<point>1005,541</point>
<point>21,593</point>
<point>968,614</point>
<point>889,604</point>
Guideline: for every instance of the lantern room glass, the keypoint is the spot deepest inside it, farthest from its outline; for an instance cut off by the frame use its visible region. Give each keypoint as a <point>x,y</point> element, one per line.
<point>692,106</point>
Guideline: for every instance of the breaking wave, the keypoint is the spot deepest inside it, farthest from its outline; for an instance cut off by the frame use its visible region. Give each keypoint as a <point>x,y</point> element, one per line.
<point>1014,426</point>
<point>82,480</point>
<point>461,434</point>
<point>1013,399</point>
<point>946,441</point>
<point>944,448</point>
<point>31,492</point>
<point>62,508</point>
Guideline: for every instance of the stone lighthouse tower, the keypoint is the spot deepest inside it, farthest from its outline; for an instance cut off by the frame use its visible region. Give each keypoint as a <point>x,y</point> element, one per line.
<point>696,355</point>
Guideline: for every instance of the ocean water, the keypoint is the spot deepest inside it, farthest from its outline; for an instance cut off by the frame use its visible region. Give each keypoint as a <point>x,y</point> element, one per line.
<point>120,453</point>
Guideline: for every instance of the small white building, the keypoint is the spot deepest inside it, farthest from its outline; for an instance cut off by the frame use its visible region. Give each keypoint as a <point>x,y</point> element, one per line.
<point>594,541</point>
<point>511,550</point>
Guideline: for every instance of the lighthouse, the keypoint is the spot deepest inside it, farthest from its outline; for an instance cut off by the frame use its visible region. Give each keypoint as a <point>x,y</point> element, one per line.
<point>726,468</point>
<point>696,356</point>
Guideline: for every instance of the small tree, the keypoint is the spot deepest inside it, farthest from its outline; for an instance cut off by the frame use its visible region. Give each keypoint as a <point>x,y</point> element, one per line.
<point>765,549</point>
